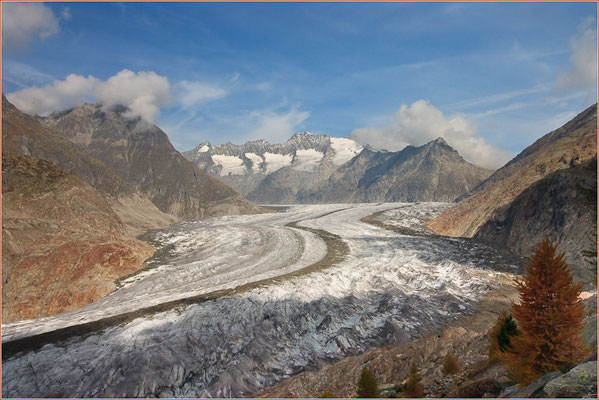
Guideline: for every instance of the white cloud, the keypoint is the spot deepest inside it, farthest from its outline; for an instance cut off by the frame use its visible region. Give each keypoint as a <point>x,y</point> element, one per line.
<point>190,94</point>
<point>24,75</point>
<point>582,74</point>
<point>275,127</point>
<point>60,95</point>
<point>143,92</point>
<point>498,97</point>
<point>22,22</point>
<point>421,122</point>
<point>66,13</point>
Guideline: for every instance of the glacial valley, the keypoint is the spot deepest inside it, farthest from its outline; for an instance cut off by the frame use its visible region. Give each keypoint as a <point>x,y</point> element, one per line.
<point>269,296</point>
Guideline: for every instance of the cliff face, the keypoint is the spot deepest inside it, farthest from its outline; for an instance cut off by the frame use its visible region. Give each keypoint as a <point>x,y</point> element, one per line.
<point>143,157</point>
<point>62,244</point>
<point>23,135</point>
<point>562,206</point>
<point>323,169</point>
<point>572,144</point>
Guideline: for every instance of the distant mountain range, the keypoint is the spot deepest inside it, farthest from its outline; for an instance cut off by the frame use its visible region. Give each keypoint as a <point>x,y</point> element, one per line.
<point>323,169</point>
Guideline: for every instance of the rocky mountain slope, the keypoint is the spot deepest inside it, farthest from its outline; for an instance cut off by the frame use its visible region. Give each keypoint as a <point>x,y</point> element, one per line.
<point>572,144</point>
<point>561,206</point>
<point>432,172</point>
<point>23,135</point>
<point>69,220</point>
<point>62,244</point>
<point>143,157</point>
<point>323,169</point>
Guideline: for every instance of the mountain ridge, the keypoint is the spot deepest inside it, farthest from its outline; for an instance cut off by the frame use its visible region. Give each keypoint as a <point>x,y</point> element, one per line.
<point>141,155</point>
<point>311,168</point>
<point>573,143</point>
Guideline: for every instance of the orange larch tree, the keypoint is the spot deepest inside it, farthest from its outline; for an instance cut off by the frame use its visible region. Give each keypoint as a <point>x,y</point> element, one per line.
<point>549,318</point>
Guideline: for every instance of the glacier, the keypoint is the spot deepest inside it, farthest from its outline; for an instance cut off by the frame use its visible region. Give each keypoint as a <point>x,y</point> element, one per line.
<point>389,287</point>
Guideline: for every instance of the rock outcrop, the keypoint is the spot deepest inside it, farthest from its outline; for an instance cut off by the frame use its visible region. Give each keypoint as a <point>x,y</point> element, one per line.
<point>580,381</point>
<point>143,157</point>
<point>561,206</point>
<point>323,169</point>
<point>62,244</point>
<point>24,135</point>
<point>572,144</point>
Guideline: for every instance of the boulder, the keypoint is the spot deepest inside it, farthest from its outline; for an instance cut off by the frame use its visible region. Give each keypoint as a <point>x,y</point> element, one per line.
<point>580,381</point>
<point>534,390</point>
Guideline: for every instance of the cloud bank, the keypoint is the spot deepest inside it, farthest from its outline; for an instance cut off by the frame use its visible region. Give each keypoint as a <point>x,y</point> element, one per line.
<point>23,22</point>
<point>144,93</point>
<point>421,122</point>
<point>190,94</point>
<point>275,127</point>
<point>58,96</point>
<point>582,74</point>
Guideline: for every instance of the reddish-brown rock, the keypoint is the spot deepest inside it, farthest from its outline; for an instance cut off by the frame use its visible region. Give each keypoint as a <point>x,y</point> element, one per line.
<point>63,245</point>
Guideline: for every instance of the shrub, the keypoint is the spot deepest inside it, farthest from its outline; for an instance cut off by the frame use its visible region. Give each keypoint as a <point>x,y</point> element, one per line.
<point>367,385</point>
<point>414,387</point>
<point>450,365</point>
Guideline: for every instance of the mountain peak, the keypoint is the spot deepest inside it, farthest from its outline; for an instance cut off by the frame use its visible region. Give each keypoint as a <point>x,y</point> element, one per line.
<point>299,136</point>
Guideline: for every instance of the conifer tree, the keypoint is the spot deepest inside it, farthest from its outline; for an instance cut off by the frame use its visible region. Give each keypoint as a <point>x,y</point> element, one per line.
<point>414,388</point>
<point>450,365</point>
<point>367,385</point>
<point>327,395</point>
<point>504,328</point>
<point>549,318</point>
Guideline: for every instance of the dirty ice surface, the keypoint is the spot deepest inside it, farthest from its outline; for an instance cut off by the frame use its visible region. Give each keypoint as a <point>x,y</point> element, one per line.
<point>390,288</point>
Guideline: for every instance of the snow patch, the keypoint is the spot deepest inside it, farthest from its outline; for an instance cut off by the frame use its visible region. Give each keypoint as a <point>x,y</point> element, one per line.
<point>345,149</point>
<point>307,160</point>
<point>204,149</point>
<point>276,161</point>
<point>256,161</point>
<point>230,165</point>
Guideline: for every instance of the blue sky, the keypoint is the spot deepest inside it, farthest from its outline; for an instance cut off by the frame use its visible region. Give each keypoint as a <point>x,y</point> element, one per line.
<point>490,77</point>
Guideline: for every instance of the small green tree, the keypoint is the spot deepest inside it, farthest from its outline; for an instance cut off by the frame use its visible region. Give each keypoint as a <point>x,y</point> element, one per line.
<point>450,365</point>
<point>367,385</point>
<point>414,388</point>
<point>499,336</point>
<point>508,329</point>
